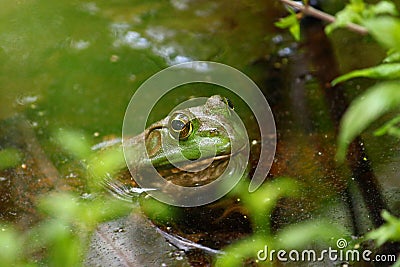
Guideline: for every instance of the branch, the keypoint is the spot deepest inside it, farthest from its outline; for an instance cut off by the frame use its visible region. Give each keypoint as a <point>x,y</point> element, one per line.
<point>310,11</point>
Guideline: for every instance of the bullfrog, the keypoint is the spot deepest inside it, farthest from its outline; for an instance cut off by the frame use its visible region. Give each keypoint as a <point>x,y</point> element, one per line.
<point>204,135</point>
<point>190,147</point>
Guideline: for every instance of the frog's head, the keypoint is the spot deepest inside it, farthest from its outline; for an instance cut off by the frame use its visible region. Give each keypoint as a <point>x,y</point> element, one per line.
<point>196,133</point>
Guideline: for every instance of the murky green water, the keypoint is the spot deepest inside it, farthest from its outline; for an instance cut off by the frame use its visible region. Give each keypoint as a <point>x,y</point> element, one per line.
<point>75,63</point>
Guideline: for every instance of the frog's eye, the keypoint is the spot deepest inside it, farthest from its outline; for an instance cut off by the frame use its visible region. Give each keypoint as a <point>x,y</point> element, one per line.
<point>229,103</point>
<point>180,126</point>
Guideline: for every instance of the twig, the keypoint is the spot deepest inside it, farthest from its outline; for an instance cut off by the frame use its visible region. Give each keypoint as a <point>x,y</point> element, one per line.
<point>310,11</point>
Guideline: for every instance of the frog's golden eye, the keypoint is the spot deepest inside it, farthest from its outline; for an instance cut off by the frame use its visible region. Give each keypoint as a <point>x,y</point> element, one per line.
<point>180,126</point>
<point>229,103</point>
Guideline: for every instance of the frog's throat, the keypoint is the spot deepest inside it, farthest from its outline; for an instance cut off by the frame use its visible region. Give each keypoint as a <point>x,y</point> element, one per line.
<point>193,179</point>
<point>197,164</point>
<point>204,161</point>
<point>210,173</point>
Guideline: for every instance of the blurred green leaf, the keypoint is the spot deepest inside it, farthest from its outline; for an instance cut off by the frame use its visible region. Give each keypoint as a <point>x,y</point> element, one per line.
<point>238,252</point>
<point>342,19</point>
<point>357,5</point>
<point>100,164</point>
<point>9,157</point>
<point>393,56</point>
<point>74,143</point>
<point>261,202</point>
<point>67,230</point>
<point>386,30</point>
<point>85,213</point>
<point>292,23</point>
<point>390,231</point>
<point>391,127</point>
<point>260,205</point>
<point>302,234</point>
<point>359,13</point>
<point>292,237</point>
<point>383,7</point>
<point>365,109</point>
<point>65,248</point>
<point>103,164</point>
<point>384,71</point>
<point>158,211</point>
<point>10,246</point>
<point>350,14</point>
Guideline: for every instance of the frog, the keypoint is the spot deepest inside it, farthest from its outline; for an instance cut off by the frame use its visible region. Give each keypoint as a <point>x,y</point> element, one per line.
<point>203,135</point>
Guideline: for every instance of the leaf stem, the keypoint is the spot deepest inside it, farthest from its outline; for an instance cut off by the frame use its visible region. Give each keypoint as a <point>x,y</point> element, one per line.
<point>310,11</point>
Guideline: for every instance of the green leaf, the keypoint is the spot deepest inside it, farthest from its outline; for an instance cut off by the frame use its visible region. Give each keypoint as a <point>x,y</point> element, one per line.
<point>350,14</point>
<point>386,30</point>
<point>390,231</point>
<point>343,18</point>
<point>357,4</point>
<point>365,109</point>
<point>292,23</point>
<point>68,209</point>
<point>74,142</point>
<point>264,199</point>
<point>390,128</point>
<point>10,244</point>
<point>393,56</point>
<point>287,21</point>
<point>238,252</point>
<point>358,12</point>
<point>302,234</point>
<point>104,164</point>
<point>384,7</point>
<point>295,31</point>
<point>384,71</point>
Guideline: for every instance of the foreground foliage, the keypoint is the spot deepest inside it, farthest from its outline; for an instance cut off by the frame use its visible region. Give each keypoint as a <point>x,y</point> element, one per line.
<point>382,22</point>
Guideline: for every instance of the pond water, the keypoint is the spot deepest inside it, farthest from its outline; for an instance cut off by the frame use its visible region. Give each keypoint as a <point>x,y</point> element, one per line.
<point>74,65</point>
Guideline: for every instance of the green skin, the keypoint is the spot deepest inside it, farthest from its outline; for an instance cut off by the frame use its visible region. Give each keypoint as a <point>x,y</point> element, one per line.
<point>210,126</point>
